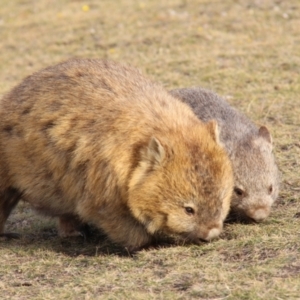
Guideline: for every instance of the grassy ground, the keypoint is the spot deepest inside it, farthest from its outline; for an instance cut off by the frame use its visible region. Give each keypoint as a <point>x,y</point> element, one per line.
<point>245,50</point>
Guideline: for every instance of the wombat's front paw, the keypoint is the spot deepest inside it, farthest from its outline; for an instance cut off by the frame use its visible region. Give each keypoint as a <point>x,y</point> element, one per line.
<point>151,243</point>
<point>134,249</point>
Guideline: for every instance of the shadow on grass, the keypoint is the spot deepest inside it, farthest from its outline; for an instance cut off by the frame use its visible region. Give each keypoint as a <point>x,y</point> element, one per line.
<point>92,243</point>
<point>235,217</point>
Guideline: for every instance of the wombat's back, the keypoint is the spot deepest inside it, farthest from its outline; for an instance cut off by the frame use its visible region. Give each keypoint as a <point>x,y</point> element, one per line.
<point>207,105</point>
<point>249,147</point>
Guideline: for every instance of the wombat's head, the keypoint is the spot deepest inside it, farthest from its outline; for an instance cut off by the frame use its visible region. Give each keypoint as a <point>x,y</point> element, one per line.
<point>256,177</point>
<point>183,184</point>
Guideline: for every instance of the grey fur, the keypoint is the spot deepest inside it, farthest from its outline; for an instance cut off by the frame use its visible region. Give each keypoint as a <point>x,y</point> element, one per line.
<point>249,148</point>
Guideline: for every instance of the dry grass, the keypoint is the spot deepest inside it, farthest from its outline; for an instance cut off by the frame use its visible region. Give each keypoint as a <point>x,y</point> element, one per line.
<point>246,50</point>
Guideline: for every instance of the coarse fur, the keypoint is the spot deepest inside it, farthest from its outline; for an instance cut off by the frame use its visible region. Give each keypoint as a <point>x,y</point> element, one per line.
<point>256,175</point>
<point>93,141</point>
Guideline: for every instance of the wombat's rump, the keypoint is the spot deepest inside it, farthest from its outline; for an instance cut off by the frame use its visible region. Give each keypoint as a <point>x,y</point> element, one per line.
<point>256,176</point>
<point>96,142</point>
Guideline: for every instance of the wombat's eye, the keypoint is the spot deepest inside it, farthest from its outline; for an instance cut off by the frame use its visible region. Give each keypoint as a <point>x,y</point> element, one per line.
<point>189,210</point>
<point>270,189</point>
<point>238,191</point>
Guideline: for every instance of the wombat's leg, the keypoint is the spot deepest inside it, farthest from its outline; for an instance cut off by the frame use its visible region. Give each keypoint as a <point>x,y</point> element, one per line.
<point>70,225</point>
<point>8,200</point>
<point>127,231</point>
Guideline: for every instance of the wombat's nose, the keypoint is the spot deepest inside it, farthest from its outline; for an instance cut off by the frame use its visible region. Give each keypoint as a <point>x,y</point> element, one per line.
<point>212,234</point>
<point>260,214</point>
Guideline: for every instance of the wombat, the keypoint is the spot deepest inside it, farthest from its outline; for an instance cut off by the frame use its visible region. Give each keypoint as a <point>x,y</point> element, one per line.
<point>256,177</point>
<point>93,141</point>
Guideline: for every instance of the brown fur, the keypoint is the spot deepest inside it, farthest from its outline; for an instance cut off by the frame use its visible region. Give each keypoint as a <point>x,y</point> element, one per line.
<point>96,142</point>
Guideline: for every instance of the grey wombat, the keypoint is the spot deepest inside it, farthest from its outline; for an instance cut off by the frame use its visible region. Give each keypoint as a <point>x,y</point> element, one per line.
<point>256,176</point>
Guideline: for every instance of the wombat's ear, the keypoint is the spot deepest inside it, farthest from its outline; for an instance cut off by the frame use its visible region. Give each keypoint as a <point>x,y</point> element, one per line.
<point>213,128</point>
<point>155,152</point>
<point>263,140</point>
<point>264,133</point>
<point>151,155</point>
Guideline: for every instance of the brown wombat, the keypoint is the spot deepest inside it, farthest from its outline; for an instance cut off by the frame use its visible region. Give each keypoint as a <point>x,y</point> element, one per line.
<point>250,149</point>
<point>93,141</point>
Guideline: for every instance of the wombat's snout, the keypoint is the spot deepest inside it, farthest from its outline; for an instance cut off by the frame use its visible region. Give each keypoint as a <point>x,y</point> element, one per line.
<point>211,234</point>
<point>260,214</point>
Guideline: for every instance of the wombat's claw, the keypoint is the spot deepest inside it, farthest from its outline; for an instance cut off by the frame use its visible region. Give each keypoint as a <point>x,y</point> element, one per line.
<point>131,250</point>
<point>10,235</point>
<point>83,234</point>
